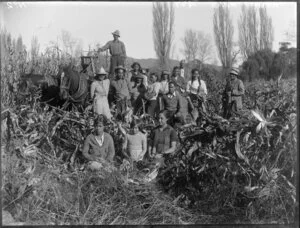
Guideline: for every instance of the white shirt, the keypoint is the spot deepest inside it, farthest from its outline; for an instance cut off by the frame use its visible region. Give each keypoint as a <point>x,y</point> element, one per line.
<point>193,87</point>
<point>100,142</point>
<point>156,87</point>
<point>182,72</point>
<point>145,80</point>
<point>164,87</point>
<point>170,95</point>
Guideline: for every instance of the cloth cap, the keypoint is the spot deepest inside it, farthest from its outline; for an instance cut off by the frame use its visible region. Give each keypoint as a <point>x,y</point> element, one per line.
<point>139,76</point>
<point>165,72</point>
<point>117,33</point>
<point>120,67</point>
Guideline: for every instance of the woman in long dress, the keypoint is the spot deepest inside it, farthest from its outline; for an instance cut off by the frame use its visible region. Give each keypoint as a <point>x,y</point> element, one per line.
<point>99,93</point>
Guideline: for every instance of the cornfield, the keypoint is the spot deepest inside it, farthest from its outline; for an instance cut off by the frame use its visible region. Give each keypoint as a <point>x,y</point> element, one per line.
<point>241,170</point>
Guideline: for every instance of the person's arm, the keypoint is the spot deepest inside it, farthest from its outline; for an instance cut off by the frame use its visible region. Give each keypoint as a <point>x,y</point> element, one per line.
<point>129,75</point>
<point>108,86</point>
<point>240,90</point>
<point>144,144</point>
<point>188,87</point>
<point>121,129</point>
<point>157,88</point>
<point>93,87</point>
<point>164,101</point>
<point>152,148</point>
<point>190,102</point>
<point>129,86</point>
<point>174,140</point>
<point>171,149</point>
<point>145,80</point>
<point>183,83</point>
<point>203,84</point>
<point>179,104</point>
<point>86,148</point>
<point>112,90</point>
<point>123,49</point>
<point>111,149</point>
<point>105,47</point>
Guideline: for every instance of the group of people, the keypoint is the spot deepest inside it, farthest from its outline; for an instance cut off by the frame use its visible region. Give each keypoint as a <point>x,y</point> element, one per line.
<point>99,146</point>
<point>166,97</point>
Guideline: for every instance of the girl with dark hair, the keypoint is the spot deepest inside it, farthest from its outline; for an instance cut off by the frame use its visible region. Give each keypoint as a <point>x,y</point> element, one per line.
<point>178,80</point>
<point>100,145</point>
<point>137,94</point>
<point>154,89</point>
<point>164,88</point>
<point>196,88</point>
<point>196,85</point>
<point>135,144</point>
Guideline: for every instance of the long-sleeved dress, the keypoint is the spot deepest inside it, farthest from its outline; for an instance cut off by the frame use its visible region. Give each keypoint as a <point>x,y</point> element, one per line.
<point>99,91</point>
<point>93,150</point>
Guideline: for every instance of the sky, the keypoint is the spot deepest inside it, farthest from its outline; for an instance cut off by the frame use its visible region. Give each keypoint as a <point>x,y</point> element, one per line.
<point>93,22</point>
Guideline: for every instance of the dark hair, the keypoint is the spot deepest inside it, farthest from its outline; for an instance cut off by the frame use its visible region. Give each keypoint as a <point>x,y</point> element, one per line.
<point>136,123</point>
<point>100,119</point>
<point>171,82</point>
<point>136,63</point>
<point>164,112</point>
<point>162,74</point>
<point>154,74</point>
<point>176,68</point>
<point>194,70</point>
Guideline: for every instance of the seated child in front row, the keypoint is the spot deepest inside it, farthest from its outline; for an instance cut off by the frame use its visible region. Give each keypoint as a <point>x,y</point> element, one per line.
<point>135,145</point>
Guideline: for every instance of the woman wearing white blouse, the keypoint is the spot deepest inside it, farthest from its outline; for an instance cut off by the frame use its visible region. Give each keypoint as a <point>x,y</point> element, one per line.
<point>196,87</point>
<point>99,93</point>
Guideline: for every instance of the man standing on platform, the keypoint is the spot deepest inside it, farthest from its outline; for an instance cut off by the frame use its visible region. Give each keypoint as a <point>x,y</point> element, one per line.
<point>117,51</point>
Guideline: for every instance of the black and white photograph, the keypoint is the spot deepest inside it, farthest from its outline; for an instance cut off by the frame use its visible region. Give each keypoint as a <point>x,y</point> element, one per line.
<point>149,113</point>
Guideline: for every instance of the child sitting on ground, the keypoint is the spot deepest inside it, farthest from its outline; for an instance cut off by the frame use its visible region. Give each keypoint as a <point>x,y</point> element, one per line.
<point>135,145</point>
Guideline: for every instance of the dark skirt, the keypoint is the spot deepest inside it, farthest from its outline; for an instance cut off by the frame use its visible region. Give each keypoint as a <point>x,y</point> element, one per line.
<point>152,107</point>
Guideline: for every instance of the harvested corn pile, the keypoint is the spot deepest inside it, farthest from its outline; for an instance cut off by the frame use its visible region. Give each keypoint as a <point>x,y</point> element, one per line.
<point>244,166</point>
<point>237,170</point>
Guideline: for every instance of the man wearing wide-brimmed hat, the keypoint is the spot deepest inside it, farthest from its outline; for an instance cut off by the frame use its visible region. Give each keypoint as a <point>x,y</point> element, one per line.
<point>233,92</point>
<point>99,93</point>
<point>120,90</point>
<point>117,51</point>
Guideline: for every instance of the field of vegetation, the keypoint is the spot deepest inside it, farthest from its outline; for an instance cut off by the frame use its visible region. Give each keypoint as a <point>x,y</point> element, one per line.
<point>241,170</point>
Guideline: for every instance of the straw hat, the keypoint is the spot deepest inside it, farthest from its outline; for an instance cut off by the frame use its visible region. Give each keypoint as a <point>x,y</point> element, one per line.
<point>234,71</point>
<point>101,71</point>
<point>117,33</point>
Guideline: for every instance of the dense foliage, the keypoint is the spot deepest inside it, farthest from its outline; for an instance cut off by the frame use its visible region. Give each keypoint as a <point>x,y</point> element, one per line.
<point>267,65</point>
<point>244,165</point>
<point>237,170</point>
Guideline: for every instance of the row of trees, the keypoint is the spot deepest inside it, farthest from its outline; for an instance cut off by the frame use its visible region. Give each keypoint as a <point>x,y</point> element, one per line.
<point>255,32</point>
<point>255,39</point>
<point>197,45</point>
<point>266,64</point>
